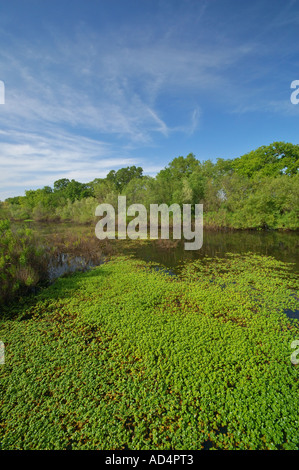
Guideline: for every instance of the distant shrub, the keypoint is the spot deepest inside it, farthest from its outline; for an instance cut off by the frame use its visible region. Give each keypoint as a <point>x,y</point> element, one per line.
<point>78,211</point>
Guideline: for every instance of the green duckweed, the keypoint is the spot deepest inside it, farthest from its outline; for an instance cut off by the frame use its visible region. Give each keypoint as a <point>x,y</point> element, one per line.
<point>127,357</point>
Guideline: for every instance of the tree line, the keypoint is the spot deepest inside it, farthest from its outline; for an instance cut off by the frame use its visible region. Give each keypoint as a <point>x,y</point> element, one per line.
<point>258,190</point>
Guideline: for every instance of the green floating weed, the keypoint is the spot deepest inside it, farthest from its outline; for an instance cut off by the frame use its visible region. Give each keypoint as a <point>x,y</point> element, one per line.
<point>126,357</point>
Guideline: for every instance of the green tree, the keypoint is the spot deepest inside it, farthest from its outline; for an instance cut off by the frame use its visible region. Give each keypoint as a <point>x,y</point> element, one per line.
<point>123,176</point>
<point>61,184</point>
<point>137,190</point>
<point>77,191</point>
<point>102,187</point>
<point>182,167</point>
<point>272,160</point>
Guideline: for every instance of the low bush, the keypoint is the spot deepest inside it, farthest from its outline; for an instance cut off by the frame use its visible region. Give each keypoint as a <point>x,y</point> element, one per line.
<point>23,261</point>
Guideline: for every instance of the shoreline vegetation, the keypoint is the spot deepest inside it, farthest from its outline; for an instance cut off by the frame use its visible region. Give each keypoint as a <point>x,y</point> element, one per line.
<point>208,226</point>
<point>256,191</point>
<point>31,254</point>
<point>125,356</point>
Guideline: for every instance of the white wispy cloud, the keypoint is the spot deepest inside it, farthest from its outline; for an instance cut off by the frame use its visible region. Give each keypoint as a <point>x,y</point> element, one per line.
<point>109,87</point>
<point>76,105</point>
<point>31,160</point>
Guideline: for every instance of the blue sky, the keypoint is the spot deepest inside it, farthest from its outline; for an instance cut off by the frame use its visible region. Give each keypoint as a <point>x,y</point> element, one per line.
<point>97,85</point>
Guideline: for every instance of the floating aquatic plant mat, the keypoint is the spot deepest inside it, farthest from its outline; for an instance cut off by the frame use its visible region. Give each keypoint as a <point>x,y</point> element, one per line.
<point>127,357</point>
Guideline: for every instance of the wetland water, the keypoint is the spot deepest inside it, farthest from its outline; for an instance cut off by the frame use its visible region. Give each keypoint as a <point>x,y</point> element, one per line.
<point>283,246</point>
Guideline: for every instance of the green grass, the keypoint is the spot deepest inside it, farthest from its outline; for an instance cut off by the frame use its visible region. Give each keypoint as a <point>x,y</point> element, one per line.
<point>124,357</point>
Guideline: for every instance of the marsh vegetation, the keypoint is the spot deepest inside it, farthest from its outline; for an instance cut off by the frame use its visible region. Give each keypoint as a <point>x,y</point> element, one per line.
<point>127,357</point>
<point>122,344</point>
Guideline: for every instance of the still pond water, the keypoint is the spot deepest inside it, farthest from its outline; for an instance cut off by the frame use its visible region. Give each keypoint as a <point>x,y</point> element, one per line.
<point>283,246</point>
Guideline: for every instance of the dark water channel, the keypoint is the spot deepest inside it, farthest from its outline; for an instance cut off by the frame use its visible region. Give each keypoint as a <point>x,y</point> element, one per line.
<point>281,246</point>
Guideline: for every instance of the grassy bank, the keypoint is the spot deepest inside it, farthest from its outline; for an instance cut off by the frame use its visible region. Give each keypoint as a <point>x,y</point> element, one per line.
<point>126,357</point>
